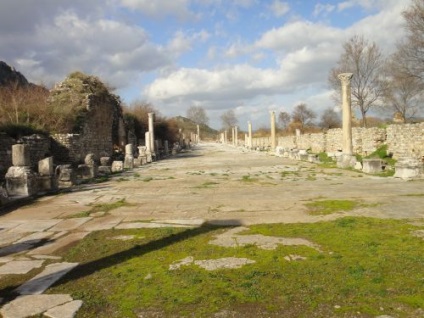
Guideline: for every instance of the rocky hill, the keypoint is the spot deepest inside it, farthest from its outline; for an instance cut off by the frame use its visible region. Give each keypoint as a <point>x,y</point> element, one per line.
<point>9,76</point>
<point>187,125</point>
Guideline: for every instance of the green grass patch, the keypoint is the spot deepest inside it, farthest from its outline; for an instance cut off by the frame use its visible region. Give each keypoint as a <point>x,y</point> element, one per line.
<point>248,179</point>
<point>206,185</point>
<point>102,207</point>
<point>147,179</point>
<point>365,264</point>
<point>324,207</point>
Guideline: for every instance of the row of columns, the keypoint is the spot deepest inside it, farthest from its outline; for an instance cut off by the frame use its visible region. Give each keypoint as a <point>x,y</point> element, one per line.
<point>345,79</point>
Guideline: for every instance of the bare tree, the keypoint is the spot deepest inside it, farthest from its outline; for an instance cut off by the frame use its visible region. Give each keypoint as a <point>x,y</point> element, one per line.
<point>229,119</point>
<point>198,115</point>
<point>365,61</point>
<point>330,119</point>
<point>411,50</point>
<point>404,93</point>
<point>284,119</point>
<point>302,116</point>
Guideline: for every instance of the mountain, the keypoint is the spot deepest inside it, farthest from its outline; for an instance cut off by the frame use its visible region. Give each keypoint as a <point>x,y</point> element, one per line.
<point>187,125</point>
<point>9,76</point>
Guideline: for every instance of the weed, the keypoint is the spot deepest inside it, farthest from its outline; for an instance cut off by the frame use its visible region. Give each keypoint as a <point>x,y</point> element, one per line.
<point>325,207</point>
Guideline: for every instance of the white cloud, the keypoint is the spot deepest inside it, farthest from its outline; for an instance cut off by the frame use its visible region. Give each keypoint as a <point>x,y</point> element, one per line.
<point>183,42</point>
<point>295,35</point>
<point>161,8</point>
<point>323,9</point>
<point>279,8</point>
<point>114,51</point>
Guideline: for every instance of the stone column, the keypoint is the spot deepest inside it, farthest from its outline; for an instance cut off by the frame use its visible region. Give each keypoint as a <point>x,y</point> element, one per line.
<point>236,134</point>
<point>152,133</point>
<point>148,147</point>
<point>347,159</point>
<point>225,136</point>
<point>129,157</point>
<point>233,136</point>
<point>250,135</point>
<point>198,133</point>
<point>347,113</point>
<point>246,141</point>
<point>273,131</point>
<point>166,148</point>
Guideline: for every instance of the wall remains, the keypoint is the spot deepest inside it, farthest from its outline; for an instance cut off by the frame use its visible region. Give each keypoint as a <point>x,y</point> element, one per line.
<point>404,140</point>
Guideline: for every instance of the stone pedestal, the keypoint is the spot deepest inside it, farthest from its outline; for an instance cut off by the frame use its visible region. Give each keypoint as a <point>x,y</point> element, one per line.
<point>104,168</point>
<point>46,178</point>
<point>117,166</point>
<point>20,155</point>
<point>21,181</point>
<point>409,168</point>
<point>346,161</point>
<point>66,176</point>
<point>372,165</point>
<point>129,157</point>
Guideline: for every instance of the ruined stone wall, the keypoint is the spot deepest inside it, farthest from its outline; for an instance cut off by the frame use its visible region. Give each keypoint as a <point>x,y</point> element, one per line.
<point>406,140</point>
<point>39,149</point>
<point>315,142</point>
<point>6,143</point>
<point>402,140</point>
<point>67,148</point>
<point>261,142</point>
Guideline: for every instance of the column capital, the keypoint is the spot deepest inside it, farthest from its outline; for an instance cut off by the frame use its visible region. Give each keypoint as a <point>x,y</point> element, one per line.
<point>345,77</point>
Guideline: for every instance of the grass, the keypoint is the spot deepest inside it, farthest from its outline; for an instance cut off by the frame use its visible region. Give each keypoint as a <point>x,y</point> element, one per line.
<point>324,207</point>
<point>102,207</point>
<point>206,185</point>
<point>366,264</point>
<point>248,179</point>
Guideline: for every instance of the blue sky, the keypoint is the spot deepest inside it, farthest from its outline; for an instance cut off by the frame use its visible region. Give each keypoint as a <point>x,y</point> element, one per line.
<point>251,56</point>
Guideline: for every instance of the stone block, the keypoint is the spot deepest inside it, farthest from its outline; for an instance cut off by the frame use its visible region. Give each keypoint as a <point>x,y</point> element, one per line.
<point>45,167</point>
<point>346,161</point>
<point>84,172</point>
<point>104,170</point>
<point>21,181</point>
<point>105,161</point>
<point>20,155</point>
<point>129,161</point>
<point>117,166</point>
<point>90,160</point>
<point>66,176</point>
<point>372,165</point>
<point>47,183</point>
<point>408,168</point>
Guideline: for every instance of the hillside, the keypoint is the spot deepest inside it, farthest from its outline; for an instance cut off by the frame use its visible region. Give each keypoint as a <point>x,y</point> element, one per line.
<point>187,126</point>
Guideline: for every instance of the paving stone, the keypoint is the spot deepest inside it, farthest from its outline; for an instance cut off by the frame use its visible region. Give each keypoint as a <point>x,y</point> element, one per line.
<point>146,225</point>
<point>35,237</point>
<point>69,224</point>
<point>7,237</point>
<point>193,222</point>
<point>45,279</point>
<point>36,226</point>
<point>6,259</point>
<point>103,223</point>
<point>19,267</point>
<point>67,310</point>
<point>31,305</point>
<point>46,257</point>
<point>15,249</point>
<point>10,224</point>
<point>58,244</point>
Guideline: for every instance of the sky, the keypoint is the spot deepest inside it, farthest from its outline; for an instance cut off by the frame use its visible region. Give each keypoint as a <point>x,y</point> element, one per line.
<point>249,56</point>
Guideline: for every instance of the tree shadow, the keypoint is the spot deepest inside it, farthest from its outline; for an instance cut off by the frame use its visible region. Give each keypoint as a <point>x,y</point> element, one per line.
<point>85,269</point>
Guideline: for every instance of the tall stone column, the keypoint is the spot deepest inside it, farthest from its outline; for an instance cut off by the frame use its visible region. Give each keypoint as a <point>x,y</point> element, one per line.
<point>249,124</point>
<point>233,136</point>
<point>152,133</point>
<point>198,133</point>
<point>236,135</point>
<point>148,147</point>
<point>347,112</point>
<point>273,132</point>
<point>225,136</point>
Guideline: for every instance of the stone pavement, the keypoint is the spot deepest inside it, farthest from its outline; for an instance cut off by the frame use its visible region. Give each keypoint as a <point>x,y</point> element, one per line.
<point>212,183</point>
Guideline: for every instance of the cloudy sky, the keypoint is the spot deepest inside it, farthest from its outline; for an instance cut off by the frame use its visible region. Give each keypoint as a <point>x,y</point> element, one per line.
<point>251,56</point>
